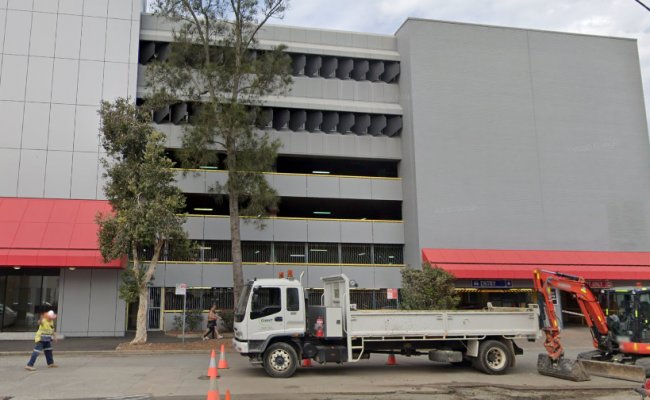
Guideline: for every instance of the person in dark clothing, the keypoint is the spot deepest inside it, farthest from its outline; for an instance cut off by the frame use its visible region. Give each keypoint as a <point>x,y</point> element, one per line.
<point>213,318</point>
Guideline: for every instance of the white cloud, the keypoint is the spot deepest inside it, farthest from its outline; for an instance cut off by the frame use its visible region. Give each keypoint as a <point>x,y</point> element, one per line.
<point>623,18</point>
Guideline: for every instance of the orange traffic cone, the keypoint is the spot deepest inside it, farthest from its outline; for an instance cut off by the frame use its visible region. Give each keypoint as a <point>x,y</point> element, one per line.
<point>213,372</point>
<point>227,395</point>
<point>391,360</point>
<point>223,364</point>
<point>306,362</point>
<point>213,391</point>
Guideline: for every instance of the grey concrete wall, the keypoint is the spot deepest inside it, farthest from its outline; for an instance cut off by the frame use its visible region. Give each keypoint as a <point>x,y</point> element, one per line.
<point>220,275</point>
<point>300,230</point>
<point>300,40</point>
<point>302,185</point>
<point>58,59</point>
<point>314,93</point>
<point>89,304</point>
<point>518,139</point>
<point>316,144</point>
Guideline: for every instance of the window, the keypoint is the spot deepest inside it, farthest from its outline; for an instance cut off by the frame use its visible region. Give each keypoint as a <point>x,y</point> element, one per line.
<point>323,253</point>
<point>356,254</point>
<point>257,252</point>
<point>293,299</point>
<point>24,295</point>
<point>389,254</point>
<point>290,252</point>
<point>266,301</point>
<point>240,311</point>
<point>200,299</point>
<point>215,251</point>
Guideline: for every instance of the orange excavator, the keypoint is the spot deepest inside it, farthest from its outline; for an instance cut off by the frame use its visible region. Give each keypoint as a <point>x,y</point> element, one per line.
<point>621,332</point>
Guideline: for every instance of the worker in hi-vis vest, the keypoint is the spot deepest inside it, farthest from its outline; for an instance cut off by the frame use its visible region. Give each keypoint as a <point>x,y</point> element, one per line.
<point>44,337</point>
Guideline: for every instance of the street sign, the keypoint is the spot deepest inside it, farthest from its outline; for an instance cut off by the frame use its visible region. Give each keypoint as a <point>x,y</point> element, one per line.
<point>499,283</point>
<point>392,294</point>
<point>181,289</point>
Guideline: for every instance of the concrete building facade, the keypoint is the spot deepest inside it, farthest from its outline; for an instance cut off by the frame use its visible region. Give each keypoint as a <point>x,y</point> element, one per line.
<point>444,135</point>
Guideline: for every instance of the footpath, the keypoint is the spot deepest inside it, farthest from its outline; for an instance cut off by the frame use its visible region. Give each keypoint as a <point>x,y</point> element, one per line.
<point>573,338</point>
<point>156,342</point>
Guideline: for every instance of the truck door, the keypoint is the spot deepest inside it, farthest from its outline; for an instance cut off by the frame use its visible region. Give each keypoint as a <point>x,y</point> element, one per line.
<point>266,315</point>
<point>295,311</point>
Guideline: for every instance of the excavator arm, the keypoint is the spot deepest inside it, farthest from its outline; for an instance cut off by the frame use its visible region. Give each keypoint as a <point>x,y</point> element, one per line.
<point>545,282</point>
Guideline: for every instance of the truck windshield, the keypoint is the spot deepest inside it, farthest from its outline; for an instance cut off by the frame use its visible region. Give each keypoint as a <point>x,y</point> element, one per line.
<point>240,311</point>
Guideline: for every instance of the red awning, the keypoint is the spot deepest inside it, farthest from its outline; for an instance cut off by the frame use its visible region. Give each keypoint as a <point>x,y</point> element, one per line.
<point>519,264</point>
<point>51,233</point>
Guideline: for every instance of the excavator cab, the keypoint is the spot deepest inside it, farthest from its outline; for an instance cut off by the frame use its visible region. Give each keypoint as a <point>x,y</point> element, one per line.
<point>628,313</point>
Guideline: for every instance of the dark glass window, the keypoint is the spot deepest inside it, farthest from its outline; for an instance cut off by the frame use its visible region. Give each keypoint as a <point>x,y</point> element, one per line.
<point>256,252</point>
<point>290,253</point>
<point>356,254</point>
<point>266,301</point>
<point>323,253</point>
<point>389,254</point>
<point>293,299</point>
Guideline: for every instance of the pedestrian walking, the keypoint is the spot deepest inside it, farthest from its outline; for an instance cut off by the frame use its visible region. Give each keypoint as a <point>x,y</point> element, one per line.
<point>213,318</point>
<point>44,337</point>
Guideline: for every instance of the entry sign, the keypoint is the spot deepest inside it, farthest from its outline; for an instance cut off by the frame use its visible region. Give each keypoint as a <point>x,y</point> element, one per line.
<point>499,283</point>
<point>391,294</point>
<point>181,289</point>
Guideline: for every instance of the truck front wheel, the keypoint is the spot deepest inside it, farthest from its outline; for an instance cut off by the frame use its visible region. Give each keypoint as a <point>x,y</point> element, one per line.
<point>280,360</point>
<point>494,357</point>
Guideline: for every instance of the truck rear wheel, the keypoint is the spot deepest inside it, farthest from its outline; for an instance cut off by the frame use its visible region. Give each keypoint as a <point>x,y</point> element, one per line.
<point>494,357</point>
<point>280,360</point>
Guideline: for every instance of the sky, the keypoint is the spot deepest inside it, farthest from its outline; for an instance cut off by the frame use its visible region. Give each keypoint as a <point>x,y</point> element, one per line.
<point>623,18</point>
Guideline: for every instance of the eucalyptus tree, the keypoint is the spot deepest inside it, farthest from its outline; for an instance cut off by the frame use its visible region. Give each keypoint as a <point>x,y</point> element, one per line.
<point>217,64</point>
<point>141,189</point>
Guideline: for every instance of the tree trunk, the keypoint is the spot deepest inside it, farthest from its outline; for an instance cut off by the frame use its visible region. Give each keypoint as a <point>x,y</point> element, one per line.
<point>235,234</point>
<point>143,304</point>
<point>141,326</point>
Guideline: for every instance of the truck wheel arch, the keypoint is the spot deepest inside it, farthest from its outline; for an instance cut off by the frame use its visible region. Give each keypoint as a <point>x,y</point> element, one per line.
<point>282,339</point>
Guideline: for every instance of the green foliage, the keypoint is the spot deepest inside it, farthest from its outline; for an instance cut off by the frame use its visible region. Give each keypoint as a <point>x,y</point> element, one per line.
<point>140,188</point>
<point>193,319</point>
<point>430,288</point>
<point>215,62</point>
<point>129,290</point>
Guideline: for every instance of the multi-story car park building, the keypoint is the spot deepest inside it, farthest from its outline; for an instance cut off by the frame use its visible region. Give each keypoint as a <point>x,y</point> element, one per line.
<point>441,138</point>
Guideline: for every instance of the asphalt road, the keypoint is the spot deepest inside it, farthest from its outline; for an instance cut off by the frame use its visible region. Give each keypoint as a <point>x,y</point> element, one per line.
<point>171,377</point>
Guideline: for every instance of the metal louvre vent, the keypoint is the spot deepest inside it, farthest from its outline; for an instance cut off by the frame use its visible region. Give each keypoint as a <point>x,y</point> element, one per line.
<point>310,65</point>
<point>296,120</point>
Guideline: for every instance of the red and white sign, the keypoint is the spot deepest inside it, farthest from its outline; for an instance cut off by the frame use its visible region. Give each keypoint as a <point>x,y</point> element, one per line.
<point>600,284</point>
<point>392,294</point>
<point>181,289</point>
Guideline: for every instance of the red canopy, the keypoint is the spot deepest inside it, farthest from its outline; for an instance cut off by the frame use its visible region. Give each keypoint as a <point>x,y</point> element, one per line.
<point>51,233</point>
<point>519,264</point>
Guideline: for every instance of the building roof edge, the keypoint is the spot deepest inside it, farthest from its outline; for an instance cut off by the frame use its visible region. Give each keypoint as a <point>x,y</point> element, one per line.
<point>418,19</point>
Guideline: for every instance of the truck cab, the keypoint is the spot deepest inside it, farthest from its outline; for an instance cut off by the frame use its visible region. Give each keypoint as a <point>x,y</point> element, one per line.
<point>268,309</point>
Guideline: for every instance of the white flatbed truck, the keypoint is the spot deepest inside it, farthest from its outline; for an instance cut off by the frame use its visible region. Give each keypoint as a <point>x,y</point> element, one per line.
<point>275,327</point>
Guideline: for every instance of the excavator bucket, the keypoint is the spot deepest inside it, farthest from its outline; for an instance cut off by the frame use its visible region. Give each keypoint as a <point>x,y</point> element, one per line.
<point>613,370</point>
<point>563,368</point>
